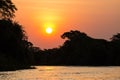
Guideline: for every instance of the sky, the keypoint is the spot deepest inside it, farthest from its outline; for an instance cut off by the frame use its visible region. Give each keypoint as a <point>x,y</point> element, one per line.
<point>97,18</point>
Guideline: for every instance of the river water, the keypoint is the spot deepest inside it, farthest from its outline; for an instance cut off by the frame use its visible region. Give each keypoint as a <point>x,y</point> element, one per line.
<point>63,73</point>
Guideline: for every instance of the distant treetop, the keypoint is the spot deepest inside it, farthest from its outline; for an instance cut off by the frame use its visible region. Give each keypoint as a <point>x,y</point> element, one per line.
<point>116,37</point>
<point>7,9</point>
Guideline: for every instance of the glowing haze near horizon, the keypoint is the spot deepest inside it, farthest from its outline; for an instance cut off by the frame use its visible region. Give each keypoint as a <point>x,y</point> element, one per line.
<point>97,18</point>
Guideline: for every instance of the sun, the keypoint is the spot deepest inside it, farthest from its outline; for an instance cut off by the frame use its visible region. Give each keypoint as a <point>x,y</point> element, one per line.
<point>49,27</point>
<point>49,30</point>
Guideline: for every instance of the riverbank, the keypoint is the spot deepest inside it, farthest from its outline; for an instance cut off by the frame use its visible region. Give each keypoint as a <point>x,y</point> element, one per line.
<point>14,68</point>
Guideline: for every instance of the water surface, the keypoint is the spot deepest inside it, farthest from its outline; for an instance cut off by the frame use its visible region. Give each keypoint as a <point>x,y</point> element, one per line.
<point>63,73</point>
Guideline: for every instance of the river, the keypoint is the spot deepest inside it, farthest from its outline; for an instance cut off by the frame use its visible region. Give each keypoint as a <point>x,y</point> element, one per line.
<point>63,73</point>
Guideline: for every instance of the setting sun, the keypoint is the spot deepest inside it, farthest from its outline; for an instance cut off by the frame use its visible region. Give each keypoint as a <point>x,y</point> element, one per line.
<point>92,17</point>
<point>49,27</point>
<point>49,30</point>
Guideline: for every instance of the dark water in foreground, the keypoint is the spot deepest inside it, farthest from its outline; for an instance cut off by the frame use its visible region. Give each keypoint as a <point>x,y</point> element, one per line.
<point>63,73</point>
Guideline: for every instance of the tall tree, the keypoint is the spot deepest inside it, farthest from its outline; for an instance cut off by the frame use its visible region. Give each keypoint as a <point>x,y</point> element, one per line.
<point>14,42</point>
<point>7,9</point>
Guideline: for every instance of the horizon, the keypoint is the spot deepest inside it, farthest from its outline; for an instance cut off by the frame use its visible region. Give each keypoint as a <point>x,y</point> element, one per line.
<point>98,19</point>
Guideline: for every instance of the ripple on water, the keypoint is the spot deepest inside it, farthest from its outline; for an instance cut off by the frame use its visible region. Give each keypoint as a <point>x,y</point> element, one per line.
<point>63,73</point>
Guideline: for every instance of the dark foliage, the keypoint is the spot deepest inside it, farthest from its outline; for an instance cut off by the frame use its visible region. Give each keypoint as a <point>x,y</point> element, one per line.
<point>7,9</point>
<point>80,49</point>
<point>15,49</point>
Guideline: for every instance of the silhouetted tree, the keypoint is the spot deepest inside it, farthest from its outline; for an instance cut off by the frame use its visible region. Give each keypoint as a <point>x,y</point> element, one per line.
<point>115,49</point>
<point>14,43</point>
<point>80,49</point>
<point>73,35</point>
<point>116,37</point>
<point>7,9</point>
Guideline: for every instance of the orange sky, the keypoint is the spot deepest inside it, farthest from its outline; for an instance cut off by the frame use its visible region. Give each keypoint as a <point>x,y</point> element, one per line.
<point>97,18</point>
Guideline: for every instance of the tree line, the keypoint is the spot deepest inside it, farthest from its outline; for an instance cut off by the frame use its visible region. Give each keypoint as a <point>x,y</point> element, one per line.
<point>17,52</point>
<point>80,49</point>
